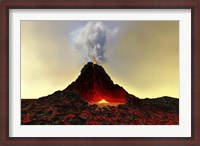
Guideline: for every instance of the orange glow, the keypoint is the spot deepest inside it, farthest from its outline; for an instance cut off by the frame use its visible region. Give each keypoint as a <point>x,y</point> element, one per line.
<point>94,60</point>
<point>103,101</point>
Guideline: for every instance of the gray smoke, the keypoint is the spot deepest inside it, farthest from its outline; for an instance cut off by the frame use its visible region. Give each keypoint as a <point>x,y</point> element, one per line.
<point>91,39</point>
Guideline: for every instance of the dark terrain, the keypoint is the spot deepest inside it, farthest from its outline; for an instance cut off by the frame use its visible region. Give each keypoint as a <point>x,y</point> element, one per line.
<point>78,104</point>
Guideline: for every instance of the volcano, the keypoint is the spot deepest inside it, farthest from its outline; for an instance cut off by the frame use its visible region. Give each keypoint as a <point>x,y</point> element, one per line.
<point>93,99</point>
<point>94,85</point>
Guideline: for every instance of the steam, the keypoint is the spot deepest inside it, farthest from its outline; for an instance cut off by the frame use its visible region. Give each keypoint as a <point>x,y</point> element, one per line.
<point>91,39</point>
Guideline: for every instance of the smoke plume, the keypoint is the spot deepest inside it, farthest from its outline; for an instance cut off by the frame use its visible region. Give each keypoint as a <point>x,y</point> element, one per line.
<point>91,39</point>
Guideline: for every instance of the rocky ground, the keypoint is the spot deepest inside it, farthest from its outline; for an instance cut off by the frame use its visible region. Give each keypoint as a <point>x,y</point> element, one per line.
<point>70,109</point>
<point>71,106</point>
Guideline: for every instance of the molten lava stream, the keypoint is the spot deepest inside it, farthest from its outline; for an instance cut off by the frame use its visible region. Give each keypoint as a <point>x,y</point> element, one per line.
<point>97,93</point>
<point>103,101</point>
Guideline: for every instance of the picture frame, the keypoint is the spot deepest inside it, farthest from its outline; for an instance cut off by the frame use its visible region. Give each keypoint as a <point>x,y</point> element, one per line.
<point>89,4</point>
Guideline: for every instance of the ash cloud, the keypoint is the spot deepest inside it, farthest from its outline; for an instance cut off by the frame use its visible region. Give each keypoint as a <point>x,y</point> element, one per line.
<point>91,39</point>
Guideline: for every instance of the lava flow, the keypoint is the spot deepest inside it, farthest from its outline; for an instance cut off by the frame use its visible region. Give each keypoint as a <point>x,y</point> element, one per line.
<point>94,85</point>
<point>103,101</point>
<point>97,92</point>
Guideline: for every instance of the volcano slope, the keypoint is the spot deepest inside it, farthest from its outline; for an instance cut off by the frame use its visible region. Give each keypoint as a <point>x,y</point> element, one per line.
<point>79,104</point>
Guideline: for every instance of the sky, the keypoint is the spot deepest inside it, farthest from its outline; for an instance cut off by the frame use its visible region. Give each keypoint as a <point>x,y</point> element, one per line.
<point>140,56</point>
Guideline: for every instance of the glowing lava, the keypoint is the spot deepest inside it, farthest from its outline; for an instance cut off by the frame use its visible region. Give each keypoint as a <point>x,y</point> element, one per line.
<point>94,60</point>
<point>103,101</point>
<point>94,84</point>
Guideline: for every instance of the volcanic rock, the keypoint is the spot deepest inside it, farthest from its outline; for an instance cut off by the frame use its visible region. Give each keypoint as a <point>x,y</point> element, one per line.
<point>72,105</point>
<point>94,84</point>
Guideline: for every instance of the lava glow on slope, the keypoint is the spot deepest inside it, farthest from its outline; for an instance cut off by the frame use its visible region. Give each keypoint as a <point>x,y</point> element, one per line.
<point>101,98</point>
<point>103,101</point>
